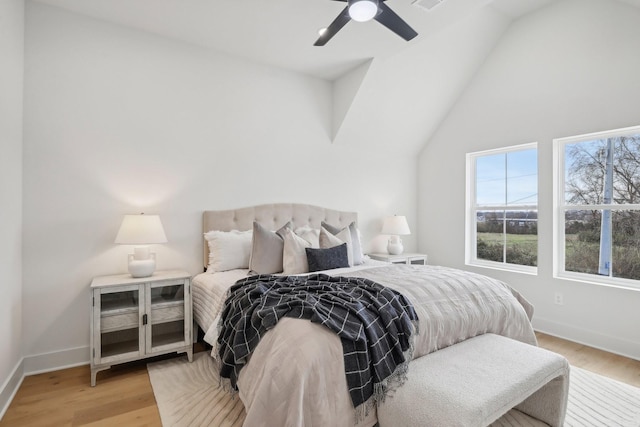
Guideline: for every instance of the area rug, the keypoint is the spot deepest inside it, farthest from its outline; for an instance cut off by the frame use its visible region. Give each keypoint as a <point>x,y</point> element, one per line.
<point>188,394</point>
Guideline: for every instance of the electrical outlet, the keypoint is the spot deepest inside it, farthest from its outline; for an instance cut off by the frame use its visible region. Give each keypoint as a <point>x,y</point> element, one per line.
<point>558,298</point>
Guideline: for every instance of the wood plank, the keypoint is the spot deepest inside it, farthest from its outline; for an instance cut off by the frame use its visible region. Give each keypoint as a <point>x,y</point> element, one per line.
<point>592,359</point>
<point>59,397</point>
<point>144,417</point>
<point>115,408</point>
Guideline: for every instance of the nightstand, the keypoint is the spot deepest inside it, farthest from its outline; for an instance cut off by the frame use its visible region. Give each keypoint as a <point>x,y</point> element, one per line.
<point>406,258</point>
<point>135,318</point>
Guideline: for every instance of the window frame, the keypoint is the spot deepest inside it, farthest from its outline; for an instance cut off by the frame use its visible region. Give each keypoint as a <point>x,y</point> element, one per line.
<point>560,207</point>
<point>471,234</point>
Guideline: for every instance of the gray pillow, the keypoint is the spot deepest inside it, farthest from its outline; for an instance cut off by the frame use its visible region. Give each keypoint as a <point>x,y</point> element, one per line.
<point>327,259</point>
<point>266,249</point>
<point>328,240</point>
<point>356,246</point>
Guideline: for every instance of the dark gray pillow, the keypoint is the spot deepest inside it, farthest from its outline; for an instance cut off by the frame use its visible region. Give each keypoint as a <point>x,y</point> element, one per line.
<point>327,259</point>
<point>356,246</point>
<point>266,249</point>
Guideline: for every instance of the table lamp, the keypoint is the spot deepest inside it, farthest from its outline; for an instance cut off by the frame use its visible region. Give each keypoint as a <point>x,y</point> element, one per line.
<point>141,230</point>
<point>395,226</point>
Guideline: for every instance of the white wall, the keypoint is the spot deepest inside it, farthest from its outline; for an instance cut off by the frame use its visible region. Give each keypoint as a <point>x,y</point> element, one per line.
<point>11,78</point>
<point>404,96</point>
<point>119,121</point>
<point>568,69</point>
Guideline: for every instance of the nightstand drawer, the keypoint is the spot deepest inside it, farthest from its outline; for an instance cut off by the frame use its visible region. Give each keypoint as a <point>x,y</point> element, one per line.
<point>118,322</point>
<point>167,314</point>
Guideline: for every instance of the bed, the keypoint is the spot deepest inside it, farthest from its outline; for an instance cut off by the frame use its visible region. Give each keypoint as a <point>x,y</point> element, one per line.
<point>296,375</point>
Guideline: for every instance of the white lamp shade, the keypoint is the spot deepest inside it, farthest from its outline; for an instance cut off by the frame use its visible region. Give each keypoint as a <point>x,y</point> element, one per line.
<point>363,10</point>
<point>141,230</point>
<point>395,225</point>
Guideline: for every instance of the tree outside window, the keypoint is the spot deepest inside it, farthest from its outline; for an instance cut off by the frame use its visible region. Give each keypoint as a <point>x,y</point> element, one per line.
<point>599,206</point>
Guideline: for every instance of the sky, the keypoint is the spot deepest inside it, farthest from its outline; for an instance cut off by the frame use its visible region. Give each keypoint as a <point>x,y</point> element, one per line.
<point>511,178</point>
<point>507,178</point>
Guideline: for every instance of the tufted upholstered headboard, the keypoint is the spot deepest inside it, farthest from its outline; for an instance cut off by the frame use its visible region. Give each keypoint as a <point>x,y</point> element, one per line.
<point>272,216</point>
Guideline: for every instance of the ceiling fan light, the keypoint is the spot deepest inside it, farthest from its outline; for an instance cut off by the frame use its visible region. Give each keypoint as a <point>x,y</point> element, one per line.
<point>363,10</point>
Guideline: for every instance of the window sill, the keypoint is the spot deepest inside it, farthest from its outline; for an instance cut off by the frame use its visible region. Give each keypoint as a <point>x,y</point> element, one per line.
<point>511,268</point>
<point>626,284</point>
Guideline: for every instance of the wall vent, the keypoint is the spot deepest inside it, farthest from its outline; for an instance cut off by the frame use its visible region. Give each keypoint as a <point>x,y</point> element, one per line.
<point>427,4</point>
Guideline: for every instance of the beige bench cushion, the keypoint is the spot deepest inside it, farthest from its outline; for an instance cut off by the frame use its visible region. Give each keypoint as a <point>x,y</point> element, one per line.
<point>475,382</point>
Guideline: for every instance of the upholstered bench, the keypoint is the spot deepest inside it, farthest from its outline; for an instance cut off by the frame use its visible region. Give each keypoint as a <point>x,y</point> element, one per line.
<point>478,381</point>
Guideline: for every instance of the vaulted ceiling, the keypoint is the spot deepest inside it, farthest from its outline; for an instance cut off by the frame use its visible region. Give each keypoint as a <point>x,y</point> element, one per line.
<point>377,77</point>
<point>282,32</point>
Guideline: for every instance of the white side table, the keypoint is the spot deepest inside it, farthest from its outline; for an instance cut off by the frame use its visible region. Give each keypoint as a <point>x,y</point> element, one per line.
<point>406,258</point>
<point>136,318</point>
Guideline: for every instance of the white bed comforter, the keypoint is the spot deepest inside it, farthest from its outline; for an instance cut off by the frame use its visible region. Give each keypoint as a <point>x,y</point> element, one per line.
<point>295,376</point>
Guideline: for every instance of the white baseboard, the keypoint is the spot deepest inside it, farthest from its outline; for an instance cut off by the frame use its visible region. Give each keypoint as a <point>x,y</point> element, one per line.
<point>10,387</point>
<point>603,342</point>
<point>56,360</point>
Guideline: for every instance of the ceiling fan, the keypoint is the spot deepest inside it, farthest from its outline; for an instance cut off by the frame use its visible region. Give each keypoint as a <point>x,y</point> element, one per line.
<point>365,10</point>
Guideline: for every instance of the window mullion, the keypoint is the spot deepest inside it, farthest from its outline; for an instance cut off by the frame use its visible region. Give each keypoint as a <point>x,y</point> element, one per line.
<point>504,212</point>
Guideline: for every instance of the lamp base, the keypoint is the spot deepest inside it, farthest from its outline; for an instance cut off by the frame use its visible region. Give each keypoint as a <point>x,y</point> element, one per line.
<point>142,267</point>
<point>394,246</point>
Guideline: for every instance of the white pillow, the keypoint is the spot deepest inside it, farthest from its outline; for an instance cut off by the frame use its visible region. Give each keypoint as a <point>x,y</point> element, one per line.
<point>294,257</point>
<point>328,240</point>
<point>228,250</point>
<point>311,235</point>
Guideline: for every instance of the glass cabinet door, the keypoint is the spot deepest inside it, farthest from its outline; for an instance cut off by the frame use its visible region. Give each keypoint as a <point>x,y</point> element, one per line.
<point>120,329</point>
<point>167,316</point>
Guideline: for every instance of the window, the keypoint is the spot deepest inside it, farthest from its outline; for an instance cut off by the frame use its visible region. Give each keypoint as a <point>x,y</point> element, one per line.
<point>597,204</point>
<point>502,208</point>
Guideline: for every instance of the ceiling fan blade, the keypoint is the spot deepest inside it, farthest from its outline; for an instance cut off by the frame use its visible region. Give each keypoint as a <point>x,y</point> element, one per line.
<point>335,26</point>
<point>392,21</point>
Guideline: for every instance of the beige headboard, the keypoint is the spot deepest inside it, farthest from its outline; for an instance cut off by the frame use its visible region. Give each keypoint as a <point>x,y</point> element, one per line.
<point>272,217</point>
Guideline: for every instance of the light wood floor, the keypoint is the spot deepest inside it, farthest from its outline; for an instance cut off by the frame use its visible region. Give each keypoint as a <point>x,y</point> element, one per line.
<point>123,395</point>
<point>601,362</point>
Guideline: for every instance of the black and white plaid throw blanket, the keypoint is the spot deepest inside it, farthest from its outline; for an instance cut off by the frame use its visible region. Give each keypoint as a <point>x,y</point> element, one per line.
<point>374,323</point>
